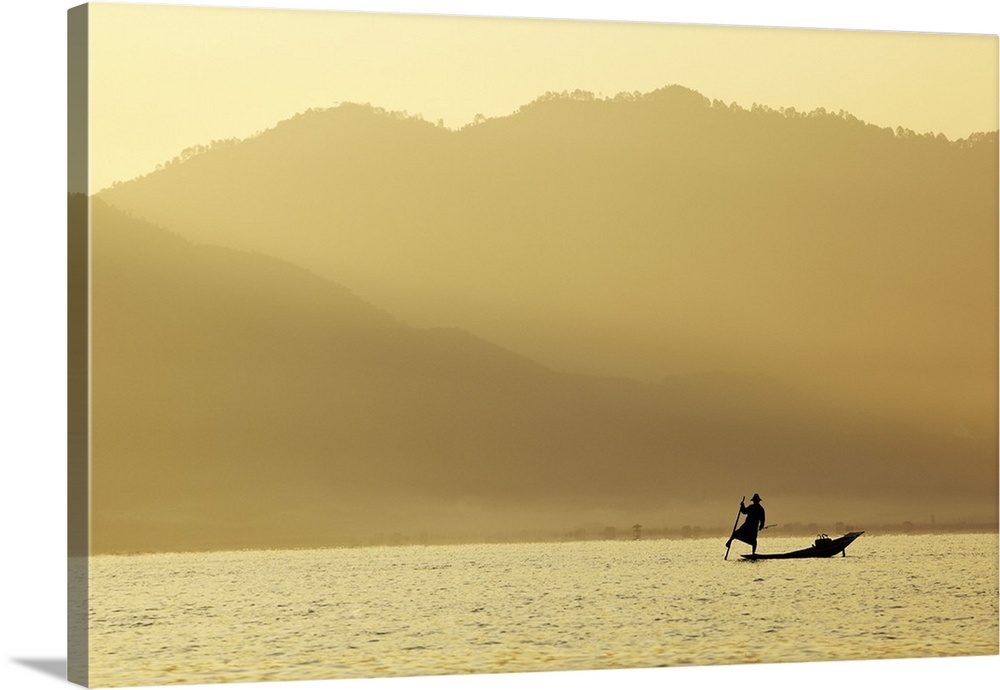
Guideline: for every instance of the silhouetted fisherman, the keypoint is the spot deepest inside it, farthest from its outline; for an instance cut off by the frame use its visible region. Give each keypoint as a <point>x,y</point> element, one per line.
<point>747,532</point>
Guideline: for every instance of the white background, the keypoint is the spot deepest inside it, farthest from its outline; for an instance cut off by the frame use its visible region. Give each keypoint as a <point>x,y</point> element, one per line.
<point>33,336</point>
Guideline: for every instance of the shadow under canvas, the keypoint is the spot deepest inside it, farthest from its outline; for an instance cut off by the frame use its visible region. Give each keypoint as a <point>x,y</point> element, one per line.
<point>50,667</point>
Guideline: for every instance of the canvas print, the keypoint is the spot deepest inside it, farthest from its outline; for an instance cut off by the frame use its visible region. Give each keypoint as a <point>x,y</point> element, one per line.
<point>409,345</point>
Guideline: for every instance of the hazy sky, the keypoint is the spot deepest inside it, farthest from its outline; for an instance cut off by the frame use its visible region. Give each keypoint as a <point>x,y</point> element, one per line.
<point>167,77</point>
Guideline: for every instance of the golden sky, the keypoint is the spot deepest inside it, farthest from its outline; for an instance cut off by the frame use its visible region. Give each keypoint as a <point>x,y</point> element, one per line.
<point>166,77</point>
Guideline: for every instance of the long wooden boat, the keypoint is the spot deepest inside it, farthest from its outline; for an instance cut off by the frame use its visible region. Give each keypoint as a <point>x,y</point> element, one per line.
<point>824,547</point>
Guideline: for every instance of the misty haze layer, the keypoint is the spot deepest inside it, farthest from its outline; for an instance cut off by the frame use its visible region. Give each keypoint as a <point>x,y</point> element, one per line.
<point>611,310</point>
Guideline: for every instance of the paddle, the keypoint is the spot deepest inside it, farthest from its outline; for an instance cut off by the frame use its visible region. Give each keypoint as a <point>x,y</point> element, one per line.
<point>726,557</point>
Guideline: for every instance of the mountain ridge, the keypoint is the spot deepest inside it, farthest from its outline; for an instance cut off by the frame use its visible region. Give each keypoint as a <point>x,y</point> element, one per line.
<point>694,98</point>
<point>634,236</point>
<point>224,417</point>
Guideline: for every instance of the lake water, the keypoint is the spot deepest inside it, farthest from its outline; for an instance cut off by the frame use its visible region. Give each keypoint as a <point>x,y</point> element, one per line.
<point>419,610</point>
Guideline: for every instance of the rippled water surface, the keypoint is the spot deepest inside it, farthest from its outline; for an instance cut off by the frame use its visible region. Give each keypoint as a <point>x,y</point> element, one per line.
<point>342,613</point>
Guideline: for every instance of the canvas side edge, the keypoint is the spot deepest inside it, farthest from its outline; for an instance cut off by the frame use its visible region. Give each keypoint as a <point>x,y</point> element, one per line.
<point>78,348</point>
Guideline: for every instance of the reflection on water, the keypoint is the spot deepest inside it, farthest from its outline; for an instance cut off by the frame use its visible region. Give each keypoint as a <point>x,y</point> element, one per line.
<point>343,613</point>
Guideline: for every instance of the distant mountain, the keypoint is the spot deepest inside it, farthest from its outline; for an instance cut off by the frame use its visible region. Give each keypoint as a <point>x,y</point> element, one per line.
<point>644,235</point>
<point>241,401</point>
